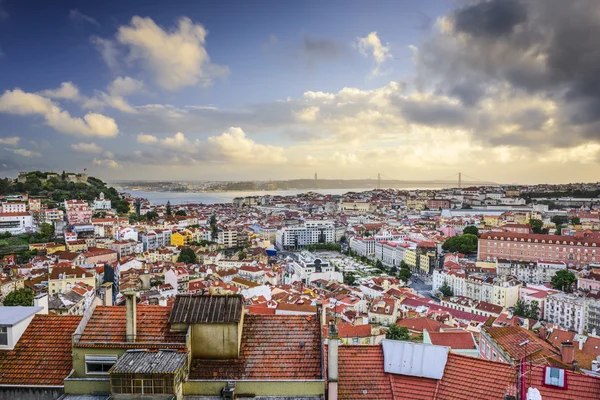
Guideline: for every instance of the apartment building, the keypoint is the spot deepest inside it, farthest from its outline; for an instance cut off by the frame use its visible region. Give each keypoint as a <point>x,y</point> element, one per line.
<point>566,310</point>
<point>535,272</point>
<point>306,234</point>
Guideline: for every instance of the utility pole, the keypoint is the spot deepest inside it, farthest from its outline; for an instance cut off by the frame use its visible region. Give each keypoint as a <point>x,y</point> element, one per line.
<point>459,180</point>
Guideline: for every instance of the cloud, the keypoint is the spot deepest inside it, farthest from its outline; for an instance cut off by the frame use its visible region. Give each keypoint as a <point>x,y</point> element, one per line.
<point>176,58</point>
<point>179,143</point>
<point>271,43</point>
<point>10,140</point>
<point>108,50</point>
<point>233,145</point>
<point>3,13</point>
<point>146,139</point>
<point>371,46</point>
<point>314,50</point>
<point>66,91</point>
<point>92,124</point>
<point>78,17</point>
<point>492,18</point>
<point>105,162</point>
<point>89,148</point>
<point>24,152</point>
<point>308,114</point>
<point>117,89</point>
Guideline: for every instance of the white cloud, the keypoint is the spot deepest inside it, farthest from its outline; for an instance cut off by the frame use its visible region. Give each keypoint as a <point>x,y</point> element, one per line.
<point>90,148</point>
<point>106,162</point>
<point>116,90</point>
<point>24,152</point>
<point>79,17</point>
<point>10,140</point>
<point>180,143</point>
<point>233,145</point>
<point>371,45</point>
<point>66,91</point>
<point>92,124</point>
<point>146,139</point>
<point>308,114</point>
<point>108,50</point>
<point>176,58</point>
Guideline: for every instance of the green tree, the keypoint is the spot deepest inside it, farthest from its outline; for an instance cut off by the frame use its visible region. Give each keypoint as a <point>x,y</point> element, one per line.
<point>534,310</point>
<point>343,239</point>
<point>150,215</point>
<point>379,265</point>
<point>19,297</point>
<point>394,270</point>
<point>575,221</point>
<point>471,229</point>
<point>446,290</point>
<point>403,264</point>
<point>169,208</point>
<point>214,229</point>
<point>187,256</point>
<point>563,280</point>
<point>349,279</point>
<point>181,213</point>
<point>241,255</point>
<point>521,308</point>
<point>122,206</point>
<point>396,332</point>
<point>404,274</point>
<point>537,225</point>
<point>47,231</point>
<point>560,219</point>
<point>464,244</point>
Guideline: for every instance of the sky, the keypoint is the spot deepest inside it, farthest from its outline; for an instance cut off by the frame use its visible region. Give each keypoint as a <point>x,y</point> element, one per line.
<point>506,91</point>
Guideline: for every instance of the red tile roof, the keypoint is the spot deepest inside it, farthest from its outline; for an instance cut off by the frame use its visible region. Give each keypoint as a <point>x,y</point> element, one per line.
<point>579,386</point>
<point>455,340</point>
<point>273,348</point>
<point>106,328</point>
<point>509,338</point>
<point>43,354</point>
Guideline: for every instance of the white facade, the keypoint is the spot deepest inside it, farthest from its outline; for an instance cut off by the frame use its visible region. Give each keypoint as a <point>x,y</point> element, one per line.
<point>227,238</point>
<point>15,223</point>
<point>311,232</point>
<point>101,203</point>
<point>307,265</point>
<point>529,272</point>
<point>565,310</point>
<point>14,207</point>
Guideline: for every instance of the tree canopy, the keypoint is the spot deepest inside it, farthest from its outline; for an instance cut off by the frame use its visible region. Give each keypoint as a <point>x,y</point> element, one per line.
<point>563,280</point>
<point>471,229</point>
<point>19,297</point>
<point>181,213</point>
<point>396,332</point>
<point>537,225</point>
<point>187,256</point>
<point>526,310</point>
<point>466,243</point>
<point>446,290</point>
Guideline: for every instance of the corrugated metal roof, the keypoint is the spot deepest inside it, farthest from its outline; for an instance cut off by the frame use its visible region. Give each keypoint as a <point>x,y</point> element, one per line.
<point>193,309</point>
<point>149,362</point>
<point>414,359</point>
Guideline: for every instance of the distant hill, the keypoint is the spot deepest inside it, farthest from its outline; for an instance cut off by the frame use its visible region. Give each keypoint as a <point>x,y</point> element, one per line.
<point>55,188</point>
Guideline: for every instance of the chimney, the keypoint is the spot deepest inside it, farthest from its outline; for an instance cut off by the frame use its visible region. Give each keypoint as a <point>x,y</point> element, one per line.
<point>567,353</point>
<point>595,366</point>
<point>41,300</point>
<point>580,344</point>
<point>332,363</point>
<point>105,293</point>
<point>130,315</point>
<point>543,332</point>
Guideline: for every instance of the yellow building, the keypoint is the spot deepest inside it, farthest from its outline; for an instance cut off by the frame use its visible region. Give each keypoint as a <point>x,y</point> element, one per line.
<point>183,238</point>
<point>77,245</point>
<point>410,258</point>
<point>64,276</point>
<point>512,193</point>
<point>491,220</point>
<point>49,247</point>
<point>506,293</point>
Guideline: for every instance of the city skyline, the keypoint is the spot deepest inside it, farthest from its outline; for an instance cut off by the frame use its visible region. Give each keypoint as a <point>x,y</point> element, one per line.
<point>503,90</point>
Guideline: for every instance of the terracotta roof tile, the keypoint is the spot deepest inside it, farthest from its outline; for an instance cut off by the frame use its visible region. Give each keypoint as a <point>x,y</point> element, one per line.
<point>453,339</point>
<point>106,328</point>
<point>43,354</point>
<point>272,348</point>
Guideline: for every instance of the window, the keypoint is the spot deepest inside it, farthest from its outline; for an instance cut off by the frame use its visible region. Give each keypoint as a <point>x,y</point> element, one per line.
<point>3,336</point>
<point>494,356</point>
<point>99,364</point>
<point>555,377</point>
<point>354,340</point>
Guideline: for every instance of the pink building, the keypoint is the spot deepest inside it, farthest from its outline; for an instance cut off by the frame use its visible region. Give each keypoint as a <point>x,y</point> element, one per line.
<point>78,212</point>
<point>517,228</point>
<point>591,281</point>
<point>533,247</point>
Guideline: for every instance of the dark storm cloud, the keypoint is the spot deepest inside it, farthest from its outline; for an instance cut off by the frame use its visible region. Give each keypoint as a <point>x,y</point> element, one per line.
<point>531,119</point>
<point>549,49</point>
<point>432,113</point>
<point>490,18</point>
<point>320,48</point>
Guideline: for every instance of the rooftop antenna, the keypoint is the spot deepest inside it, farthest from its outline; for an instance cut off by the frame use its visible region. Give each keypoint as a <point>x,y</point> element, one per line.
<point>459,180</point>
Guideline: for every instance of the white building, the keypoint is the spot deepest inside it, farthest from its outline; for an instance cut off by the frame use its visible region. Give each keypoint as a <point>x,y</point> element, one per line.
<point>14,207</point>
<point>306,234</point>
<point>529,272</point>
<point>565,310</point>
<point>227,238</point>
<point>16,222</point>
<point>307,265</point>
<point>101,203</point>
